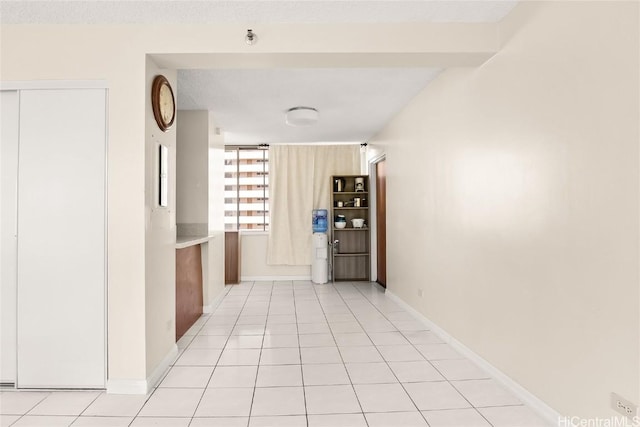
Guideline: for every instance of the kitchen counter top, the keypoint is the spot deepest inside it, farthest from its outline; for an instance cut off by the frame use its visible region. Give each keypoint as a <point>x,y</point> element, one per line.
<point>186,241</point>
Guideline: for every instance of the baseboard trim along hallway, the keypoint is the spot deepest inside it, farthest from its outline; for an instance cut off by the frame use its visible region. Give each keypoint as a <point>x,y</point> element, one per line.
<point>208,309</point>
<point>528,398</point>
<point>272,278</point>
<point>144,386</point>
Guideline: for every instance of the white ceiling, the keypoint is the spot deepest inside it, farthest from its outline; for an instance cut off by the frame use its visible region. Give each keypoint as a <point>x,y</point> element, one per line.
<point>249,104</point>
<point>252,11</point>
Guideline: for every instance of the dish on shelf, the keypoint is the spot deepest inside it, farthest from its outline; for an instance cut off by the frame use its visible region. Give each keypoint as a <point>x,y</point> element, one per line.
<point>358,222</point>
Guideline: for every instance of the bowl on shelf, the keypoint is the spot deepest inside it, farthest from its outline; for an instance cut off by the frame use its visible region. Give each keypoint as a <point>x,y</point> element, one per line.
<point>357,222</point>
<point>340,224</point>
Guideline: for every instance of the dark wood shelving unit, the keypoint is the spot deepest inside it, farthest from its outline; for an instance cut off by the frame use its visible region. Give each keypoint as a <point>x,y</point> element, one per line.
<point>350,259</point>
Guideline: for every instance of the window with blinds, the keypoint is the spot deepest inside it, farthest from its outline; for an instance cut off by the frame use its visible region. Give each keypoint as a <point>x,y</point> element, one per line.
<point>246,180</point>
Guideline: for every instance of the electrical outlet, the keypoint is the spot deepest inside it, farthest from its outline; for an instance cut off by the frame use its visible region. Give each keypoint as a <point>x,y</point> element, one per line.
<point>420,293</point>
<point>623,406</point>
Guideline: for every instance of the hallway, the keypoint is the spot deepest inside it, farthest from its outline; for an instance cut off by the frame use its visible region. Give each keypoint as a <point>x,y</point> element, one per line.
<point>296,354</point>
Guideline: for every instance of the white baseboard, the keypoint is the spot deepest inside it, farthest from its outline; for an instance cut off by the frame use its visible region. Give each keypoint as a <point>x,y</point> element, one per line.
<point>272,278</point>
<point>541,408</point>
<point>162,368</point>
<point>143,386</point>
<point>126,386</point>
<point>208,309</point>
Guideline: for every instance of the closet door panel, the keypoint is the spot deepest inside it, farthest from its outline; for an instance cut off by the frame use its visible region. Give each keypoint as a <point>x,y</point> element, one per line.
<point>61,239</point>
<point>9,121</point>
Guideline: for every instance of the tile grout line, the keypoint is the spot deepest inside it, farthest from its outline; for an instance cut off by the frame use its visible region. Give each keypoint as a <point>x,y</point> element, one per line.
<point>304,392</point>
<point>76,417</point>
<point>427,360</point>
<point>255,383</point>
<point>344,365</point>
<point>387,362</point>
<point>224,347</point>
<point>376,347</point>
<point>87,407</point>
<point>20,416</point>
<point>186,348</point>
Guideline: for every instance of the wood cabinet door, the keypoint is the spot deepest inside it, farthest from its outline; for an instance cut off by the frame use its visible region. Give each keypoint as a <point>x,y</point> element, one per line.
<point>231,257</point>
<point>188,288</point>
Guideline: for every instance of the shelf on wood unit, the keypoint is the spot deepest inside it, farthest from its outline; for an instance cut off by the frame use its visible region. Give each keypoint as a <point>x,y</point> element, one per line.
<point>350,192</point>
<point>351,254</point>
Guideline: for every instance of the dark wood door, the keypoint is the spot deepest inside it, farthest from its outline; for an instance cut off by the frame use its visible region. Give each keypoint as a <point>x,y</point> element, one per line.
<point>381,221</point>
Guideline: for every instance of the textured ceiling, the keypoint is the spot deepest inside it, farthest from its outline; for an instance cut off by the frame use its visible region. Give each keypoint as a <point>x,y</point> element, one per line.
<point>249,104</point>
<point>251,11</point>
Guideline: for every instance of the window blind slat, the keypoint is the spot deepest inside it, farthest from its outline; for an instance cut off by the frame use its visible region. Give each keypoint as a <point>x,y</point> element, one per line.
<point>246,189</point>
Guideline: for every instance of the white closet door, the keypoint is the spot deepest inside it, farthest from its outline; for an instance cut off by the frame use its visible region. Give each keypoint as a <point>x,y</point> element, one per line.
<point>61,239</point>
<point>8,232</point>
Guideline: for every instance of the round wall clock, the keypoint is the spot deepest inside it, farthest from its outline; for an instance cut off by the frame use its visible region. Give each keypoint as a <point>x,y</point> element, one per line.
<point>163,102</point>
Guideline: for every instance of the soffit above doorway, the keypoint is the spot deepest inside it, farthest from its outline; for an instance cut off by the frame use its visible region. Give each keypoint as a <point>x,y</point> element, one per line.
<point>248,104</point>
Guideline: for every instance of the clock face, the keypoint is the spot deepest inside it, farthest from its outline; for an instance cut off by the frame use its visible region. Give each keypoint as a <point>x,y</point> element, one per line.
<point>163,103</point>
<point>166,103</point>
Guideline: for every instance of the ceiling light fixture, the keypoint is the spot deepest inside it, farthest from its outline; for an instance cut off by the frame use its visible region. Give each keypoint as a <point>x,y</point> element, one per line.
<point>251,38</point>
<point>301,116</point>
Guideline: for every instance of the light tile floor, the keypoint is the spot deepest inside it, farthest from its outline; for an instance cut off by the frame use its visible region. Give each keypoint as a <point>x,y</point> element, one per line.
<point>296,354</point>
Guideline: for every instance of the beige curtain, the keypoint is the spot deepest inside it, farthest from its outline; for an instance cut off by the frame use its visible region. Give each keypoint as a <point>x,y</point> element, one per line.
<point>300,181</point>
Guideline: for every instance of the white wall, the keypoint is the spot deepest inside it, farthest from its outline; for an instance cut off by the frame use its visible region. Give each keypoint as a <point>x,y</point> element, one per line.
<point>192,184</point>
<point>513,203</point>
<point>160,238</point>
<point>215,247</point>
<point>253,261</point>
<point>200,194</point>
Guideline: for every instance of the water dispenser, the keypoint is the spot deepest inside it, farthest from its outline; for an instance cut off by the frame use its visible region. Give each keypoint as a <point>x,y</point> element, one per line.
<point>319,246</point>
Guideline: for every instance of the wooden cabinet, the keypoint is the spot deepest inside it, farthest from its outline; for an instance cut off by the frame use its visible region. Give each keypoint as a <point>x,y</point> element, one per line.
<point>188,288</point>
<point>231,257</point>
<point>351,253</point>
